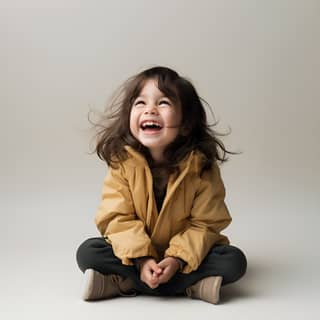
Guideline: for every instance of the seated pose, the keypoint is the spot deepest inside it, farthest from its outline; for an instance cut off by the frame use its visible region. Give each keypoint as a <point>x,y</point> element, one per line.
<point>162,209</point>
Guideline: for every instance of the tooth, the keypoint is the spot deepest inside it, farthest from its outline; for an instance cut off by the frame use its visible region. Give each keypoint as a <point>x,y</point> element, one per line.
<point>150,123</point>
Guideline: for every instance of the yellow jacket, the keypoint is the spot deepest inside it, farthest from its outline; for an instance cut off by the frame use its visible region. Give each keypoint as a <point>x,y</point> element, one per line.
<point>192,215</point>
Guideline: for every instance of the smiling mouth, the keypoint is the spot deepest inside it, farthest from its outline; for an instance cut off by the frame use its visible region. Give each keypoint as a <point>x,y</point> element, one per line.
<point>150,126</point>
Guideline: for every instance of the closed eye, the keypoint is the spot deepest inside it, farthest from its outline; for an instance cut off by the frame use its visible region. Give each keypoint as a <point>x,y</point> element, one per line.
<point>139,102</point>
<point>165,102</point>
<point>143,103</point>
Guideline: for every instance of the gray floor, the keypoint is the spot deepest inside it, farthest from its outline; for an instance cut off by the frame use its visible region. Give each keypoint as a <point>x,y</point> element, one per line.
<point>40,278</point>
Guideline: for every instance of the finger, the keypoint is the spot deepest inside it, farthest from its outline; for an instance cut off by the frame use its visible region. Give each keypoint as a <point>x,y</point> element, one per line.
<point>156,277</point>
<point>153,265</point>
<point>151,284</point>
<point>164,268</point>
<point>153,278</point>
<point>167,275</point>
<point>162,263</point>
<point>159,272</point>
<point>146,275</point>
<point>163,278</point>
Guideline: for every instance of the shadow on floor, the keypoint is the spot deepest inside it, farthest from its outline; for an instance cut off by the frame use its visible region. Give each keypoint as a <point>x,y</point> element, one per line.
<point>250,285</point>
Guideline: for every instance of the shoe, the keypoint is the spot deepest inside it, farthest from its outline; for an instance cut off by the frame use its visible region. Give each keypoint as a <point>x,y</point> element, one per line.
<point>207,289</point>
<point>100,286</point>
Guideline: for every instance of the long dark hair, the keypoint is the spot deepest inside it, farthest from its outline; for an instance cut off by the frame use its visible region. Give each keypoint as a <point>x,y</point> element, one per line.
<point>113,132</point>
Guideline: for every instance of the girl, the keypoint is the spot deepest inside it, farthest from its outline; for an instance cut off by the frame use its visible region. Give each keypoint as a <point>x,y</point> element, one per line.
<point>162,207</point>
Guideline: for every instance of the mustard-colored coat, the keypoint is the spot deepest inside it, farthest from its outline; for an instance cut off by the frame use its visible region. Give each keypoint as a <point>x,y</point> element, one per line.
<point>189,223</point>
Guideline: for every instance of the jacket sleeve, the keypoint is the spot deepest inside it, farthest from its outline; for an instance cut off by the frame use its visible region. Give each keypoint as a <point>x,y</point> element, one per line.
<point>117,222</point>
<point>209,215</point>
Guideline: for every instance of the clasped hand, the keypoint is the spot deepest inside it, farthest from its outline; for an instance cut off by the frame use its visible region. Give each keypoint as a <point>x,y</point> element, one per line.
<point>153,273</point>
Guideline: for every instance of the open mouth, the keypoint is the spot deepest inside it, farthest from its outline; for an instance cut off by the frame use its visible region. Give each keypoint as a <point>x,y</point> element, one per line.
<point>150,126</point>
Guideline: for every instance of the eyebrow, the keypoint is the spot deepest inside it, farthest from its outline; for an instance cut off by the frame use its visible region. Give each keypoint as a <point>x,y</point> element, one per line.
<point>143,96</point>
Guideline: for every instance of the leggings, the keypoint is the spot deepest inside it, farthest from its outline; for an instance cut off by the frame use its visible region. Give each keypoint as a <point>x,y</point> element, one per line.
<point>222,260</point>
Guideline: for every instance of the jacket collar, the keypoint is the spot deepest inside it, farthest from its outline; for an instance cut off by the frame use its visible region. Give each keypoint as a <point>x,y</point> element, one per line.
<point>191,162</point>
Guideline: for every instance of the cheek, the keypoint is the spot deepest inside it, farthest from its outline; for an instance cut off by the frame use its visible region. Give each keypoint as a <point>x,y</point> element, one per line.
<point>133,121</point>
<point>174,118</point>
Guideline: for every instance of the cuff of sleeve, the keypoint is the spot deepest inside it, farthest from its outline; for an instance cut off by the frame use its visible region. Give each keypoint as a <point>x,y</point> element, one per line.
<point>182,264</point>
<point>189,264</point>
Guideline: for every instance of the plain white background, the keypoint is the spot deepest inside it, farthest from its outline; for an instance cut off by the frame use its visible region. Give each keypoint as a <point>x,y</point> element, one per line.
<point>255,62</point>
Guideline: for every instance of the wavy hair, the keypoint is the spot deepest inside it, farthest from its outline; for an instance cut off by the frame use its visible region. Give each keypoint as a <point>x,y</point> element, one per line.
<point>113,130</point>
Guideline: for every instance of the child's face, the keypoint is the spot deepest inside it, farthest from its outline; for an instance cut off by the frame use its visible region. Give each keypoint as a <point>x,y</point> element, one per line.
<point>154,119</point>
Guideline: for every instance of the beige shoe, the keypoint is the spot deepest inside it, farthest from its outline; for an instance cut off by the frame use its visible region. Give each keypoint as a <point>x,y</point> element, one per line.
<point>99,286</point>
<point>207,289</point>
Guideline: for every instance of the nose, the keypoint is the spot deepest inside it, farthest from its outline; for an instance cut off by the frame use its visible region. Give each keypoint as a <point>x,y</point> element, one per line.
<point>151,109</point>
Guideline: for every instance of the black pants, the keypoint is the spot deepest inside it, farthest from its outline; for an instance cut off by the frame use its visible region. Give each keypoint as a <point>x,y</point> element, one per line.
<point>222,260</point>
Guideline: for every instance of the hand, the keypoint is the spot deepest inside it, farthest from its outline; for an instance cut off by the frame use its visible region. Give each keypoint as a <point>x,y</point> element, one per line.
<point>169,266</point>
<point>149,272</point>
